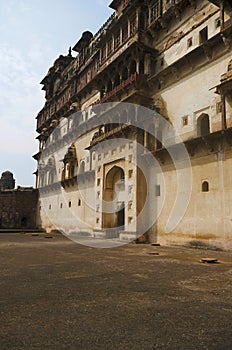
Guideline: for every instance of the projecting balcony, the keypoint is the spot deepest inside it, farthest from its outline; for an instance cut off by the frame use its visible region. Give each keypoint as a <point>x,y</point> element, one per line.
<point>52,188</point>
<point>69,182</point>
<point>101,136</point>
<point>133,81</point>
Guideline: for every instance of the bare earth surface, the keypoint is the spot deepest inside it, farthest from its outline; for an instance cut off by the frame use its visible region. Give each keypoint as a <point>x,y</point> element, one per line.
<point>55,294</point>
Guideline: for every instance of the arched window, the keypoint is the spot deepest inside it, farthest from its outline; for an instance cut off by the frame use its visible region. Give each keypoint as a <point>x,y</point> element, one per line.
<point>42,180</point>
<point>203,125</point>
<point>117,80</point>
<point>72,170</point>
<point>109,86</point>
<point>141,67</point>
<point>133,67</point>
<point>70,163</point>
<point>51,177</point>
<point>125,74</point>
<point>205,186</point>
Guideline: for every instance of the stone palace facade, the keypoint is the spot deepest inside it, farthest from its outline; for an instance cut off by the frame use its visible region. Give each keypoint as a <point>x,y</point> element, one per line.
<point>172,58</point>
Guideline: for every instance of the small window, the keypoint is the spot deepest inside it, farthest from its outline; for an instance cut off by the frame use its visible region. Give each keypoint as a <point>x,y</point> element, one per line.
<point>203,35</point>
<point>50,207</point>
<point>217,22</point>
<point>97,220</point>
<point>98,182</point>
<point>79,202</point>
<point>189,42</point>
<point>61,205</point>
<point>70,204</point>
<point>205,186</point>
<point>203,125</point>
<point>185,120</point>
<point>157,190</point>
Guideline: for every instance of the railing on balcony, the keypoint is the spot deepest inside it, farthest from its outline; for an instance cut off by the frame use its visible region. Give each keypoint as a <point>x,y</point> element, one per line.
<point>60,101</point>
<point>134,77</point>
<point>95,67</point>
<point>108,134</point>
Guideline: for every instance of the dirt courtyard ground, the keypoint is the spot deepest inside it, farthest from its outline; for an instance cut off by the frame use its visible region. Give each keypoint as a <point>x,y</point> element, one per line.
<point>56,294</point>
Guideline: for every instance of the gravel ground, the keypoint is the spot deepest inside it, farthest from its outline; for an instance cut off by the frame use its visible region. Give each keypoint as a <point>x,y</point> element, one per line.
<point>55,294</point>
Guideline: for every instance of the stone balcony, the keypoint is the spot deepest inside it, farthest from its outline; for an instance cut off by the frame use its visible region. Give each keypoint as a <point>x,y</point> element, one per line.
<point>109,134</point>
<point>134,80</point>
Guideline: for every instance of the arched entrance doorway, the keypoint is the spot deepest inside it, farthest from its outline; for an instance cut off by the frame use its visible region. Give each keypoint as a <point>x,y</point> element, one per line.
<point>114,199</point>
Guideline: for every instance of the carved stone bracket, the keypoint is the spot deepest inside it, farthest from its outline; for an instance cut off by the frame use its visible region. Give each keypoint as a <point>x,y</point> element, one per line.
<point>193,3</point>
<point>175,72</point>
<point>192,149</point>
<point>227,40</point>
<point>209,145</point>
<point>177,13</point>
<point>163,23</point>
<point>228,137</point>
<point>208,52</point>
<point>189,62</point>
<point>159,157</point>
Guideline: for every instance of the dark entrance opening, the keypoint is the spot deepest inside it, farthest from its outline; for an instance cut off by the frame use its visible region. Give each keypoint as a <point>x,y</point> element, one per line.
<point>121,217</point>
<point>24,221</point>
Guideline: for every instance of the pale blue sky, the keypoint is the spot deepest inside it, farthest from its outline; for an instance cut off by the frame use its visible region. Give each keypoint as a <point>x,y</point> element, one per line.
<point>33,33</point>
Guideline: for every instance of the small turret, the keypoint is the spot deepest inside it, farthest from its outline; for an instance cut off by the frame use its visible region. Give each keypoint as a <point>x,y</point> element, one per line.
<point>7,181</point>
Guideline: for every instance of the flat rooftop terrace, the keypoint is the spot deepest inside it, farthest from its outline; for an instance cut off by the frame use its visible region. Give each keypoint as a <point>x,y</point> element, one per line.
<point>56,294</point>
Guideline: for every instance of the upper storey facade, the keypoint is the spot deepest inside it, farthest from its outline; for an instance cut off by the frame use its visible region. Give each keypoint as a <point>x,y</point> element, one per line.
<point>143,49</point>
